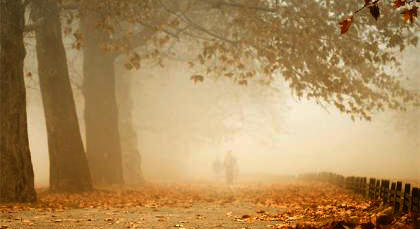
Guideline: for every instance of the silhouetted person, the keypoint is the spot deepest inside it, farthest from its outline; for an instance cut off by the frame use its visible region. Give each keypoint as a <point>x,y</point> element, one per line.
<point>217,167</point>
<point>230,165</point>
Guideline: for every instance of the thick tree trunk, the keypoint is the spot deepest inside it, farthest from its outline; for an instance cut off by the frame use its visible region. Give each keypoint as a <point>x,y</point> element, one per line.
<point>16,173</point>
<point>130,154</point>
<point>103,145</point>
<point>69,170</point>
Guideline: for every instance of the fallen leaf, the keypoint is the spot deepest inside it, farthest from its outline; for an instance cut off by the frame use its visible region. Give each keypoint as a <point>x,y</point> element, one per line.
<point>197,78</point>
<point>410,15</point>
<point>374,11</point>
<point>345,25</point>
<point>398,3</point>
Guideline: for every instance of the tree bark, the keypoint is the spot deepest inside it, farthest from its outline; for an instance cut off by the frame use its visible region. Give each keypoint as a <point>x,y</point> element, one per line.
<point>16,173</point>
<point>69,170</point>
<point>103,145</point>
<point>131,156</point>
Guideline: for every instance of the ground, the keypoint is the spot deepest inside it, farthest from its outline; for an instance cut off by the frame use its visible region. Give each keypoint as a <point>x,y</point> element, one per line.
<point>197,216</point>
<point>292,205</point>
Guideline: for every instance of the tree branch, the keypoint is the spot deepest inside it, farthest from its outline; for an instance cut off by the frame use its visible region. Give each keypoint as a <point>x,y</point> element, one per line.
<point>181,15</point>
<point>26,3</point>
<point>151,27</point>
<point>237,5</point>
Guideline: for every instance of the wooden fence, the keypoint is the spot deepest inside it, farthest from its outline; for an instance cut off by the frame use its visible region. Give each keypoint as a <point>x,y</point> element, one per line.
<point>392,193</point>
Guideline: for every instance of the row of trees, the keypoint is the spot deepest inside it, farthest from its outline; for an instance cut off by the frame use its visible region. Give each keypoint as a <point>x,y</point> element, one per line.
<point>258,41</point>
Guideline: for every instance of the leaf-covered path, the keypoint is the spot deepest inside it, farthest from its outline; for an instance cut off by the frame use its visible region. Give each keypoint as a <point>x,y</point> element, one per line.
<point>197,216</point>
<point>294,205</point>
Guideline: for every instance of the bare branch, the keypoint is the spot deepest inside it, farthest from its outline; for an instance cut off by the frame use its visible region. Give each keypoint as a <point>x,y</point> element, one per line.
<point>237,5</point>
<point>198,27</point>
<point>204,30</point>
<point>163,30</point>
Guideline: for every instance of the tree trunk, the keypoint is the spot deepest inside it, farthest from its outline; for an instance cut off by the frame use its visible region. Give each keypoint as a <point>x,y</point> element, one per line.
<point>69,170</point>
<point>103,145</point>
<point>16,173</point>
<point>130,154</point>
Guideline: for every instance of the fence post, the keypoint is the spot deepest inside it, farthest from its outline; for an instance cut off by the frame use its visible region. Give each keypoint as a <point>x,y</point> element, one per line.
<point>392,194</point>
<point>398,197</point>
<point>415,201</point>
<point>357,184</point>
<point>403,201</point>
<point>385,191</point>
<point>381,192</point>
<point>371,190</point>
<point>346,182</point>
<point>378,189</point>
<point>406,198</point>
<point>364,180</point>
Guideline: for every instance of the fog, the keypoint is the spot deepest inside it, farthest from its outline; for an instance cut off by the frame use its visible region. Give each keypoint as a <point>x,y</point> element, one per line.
<point>184,126</point>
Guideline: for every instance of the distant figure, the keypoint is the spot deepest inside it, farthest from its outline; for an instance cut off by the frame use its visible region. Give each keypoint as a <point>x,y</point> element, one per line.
<point>231,167</point>
<point>217,167</point>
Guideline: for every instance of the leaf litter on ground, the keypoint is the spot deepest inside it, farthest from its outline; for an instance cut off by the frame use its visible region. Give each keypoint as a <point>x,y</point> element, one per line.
<point>298,205</point>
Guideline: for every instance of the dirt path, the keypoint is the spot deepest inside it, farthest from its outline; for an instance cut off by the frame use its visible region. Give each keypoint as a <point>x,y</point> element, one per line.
<point>293,205</point>
<point>204,215</point>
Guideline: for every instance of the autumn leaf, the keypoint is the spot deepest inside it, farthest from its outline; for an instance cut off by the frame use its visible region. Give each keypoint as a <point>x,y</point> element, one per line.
<point>135,57</point>
<point>410,15</point>
<point>398,3</point>
<point>367,2</point>
<point>374,11</point>
<point>197,78</point>
<point>345,25</point>
<point>77,45</point>
<point>77,35</point>
<point>128,66</point>
<point>136,65</point>
<point>134,62</point>
<point>245,217</point>
<point>243,82</point>
<point>229,74</point>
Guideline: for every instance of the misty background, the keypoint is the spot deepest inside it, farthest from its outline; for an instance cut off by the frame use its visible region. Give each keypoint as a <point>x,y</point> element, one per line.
<point>183,127</point>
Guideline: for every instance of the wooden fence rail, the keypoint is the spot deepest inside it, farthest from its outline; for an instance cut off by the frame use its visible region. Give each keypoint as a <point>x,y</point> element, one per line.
<point>390,193</point>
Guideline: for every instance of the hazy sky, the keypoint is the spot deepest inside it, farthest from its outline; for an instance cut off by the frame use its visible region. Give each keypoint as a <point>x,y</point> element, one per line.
<point>309,139</point>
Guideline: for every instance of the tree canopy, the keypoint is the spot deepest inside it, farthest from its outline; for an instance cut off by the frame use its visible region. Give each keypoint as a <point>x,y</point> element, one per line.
<point>260,40</point>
